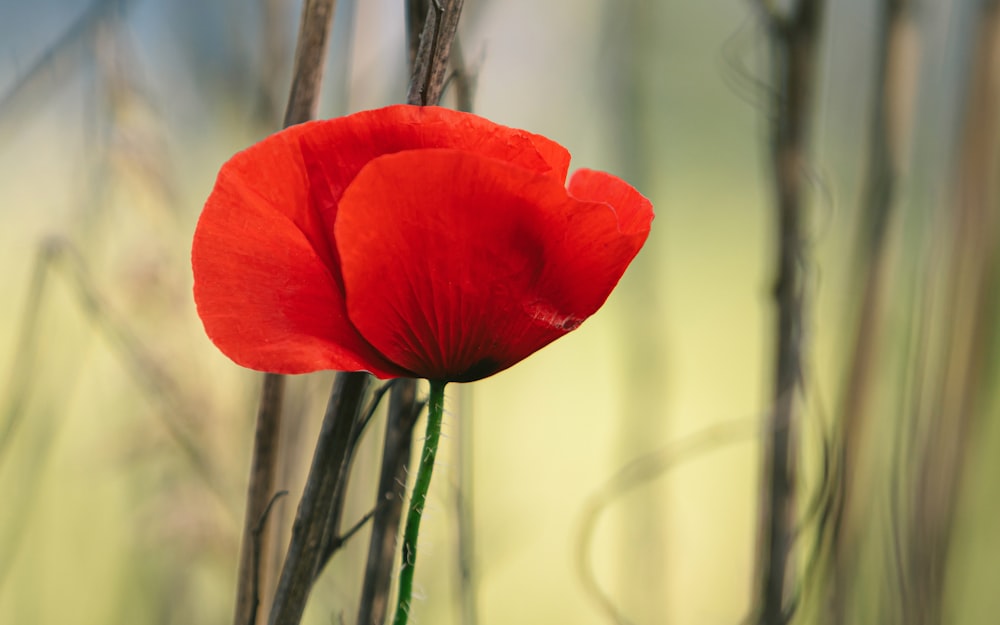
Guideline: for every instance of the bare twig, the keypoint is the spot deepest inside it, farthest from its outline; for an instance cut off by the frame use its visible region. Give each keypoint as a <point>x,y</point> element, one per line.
<point>310,56</point>
<point>890,123</point>
<point>794,43</point>
<point>258,546</point>
<point>430,64</point>
<point>961,380</point>
<point>336,540</point>
<point>339,540</point>
<point>309,533</point>
<point>259,498</point>
<point>332,538</point>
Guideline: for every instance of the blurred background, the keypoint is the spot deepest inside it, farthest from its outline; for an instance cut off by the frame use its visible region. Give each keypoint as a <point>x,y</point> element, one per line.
<point>616,476</point>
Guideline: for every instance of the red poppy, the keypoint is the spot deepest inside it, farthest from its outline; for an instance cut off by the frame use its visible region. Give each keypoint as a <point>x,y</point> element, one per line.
<point>407,241</point>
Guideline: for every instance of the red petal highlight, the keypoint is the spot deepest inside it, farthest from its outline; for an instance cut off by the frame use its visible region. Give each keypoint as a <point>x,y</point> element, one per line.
<point>457,266</point>
<point>263,288</point>
<point>335,150</point>
<point>635,212</point>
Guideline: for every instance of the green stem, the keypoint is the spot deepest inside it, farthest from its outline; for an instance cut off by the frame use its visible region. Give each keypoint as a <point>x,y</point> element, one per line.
<point>435,410</point>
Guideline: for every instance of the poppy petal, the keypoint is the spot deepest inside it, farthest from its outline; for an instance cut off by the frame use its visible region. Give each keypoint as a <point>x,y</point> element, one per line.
<point>264,292</point>
<point>457,266</point>
<point>269,281</point>
<point>634,211</point>
<point>335,150</point>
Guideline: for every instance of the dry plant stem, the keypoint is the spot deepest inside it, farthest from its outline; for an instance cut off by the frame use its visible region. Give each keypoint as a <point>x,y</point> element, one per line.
<point>310,56</point>
<point>430,65</point>
<point>794,42</point>
<point>403,412</point>
<point>333,530</point>
<point>963,382</point>
<point>894,88</point>
<point>257,555</point>
<point>259,497</point>
<point>309,532</point>
<point>303,100</point>
<point>332,540</point>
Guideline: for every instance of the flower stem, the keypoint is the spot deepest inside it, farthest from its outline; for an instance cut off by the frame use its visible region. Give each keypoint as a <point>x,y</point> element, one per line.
<point>435,410</point>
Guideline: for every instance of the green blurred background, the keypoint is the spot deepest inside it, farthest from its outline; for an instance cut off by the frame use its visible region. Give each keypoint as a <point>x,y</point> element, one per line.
<point>125,436</point>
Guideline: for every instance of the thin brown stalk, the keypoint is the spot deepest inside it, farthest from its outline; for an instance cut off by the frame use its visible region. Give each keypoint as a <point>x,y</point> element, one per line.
<point>889,130</point>
<point>960,384</point>
<point>794,42</point>
<point>259,496</point>
<point>310,535</point>
<point>430,63</point>
<point>894,89</point>
<point>303,100</point>
<point>310,56</point>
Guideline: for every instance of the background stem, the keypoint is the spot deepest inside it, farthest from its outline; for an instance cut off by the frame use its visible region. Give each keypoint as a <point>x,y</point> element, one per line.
<point>310,56</point>
<point>259,494</point>
<point>430,63</point>
<point>889,129</point>
<point>310,531</point>
<point>794,42</point>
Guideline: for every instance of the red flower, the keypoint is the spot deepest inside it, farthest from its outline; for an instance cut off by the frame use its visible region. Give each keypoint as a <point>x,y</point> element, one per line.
<point>407,241</point>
